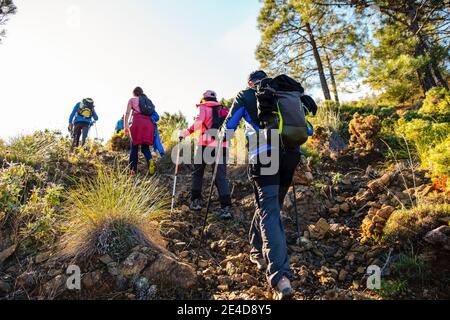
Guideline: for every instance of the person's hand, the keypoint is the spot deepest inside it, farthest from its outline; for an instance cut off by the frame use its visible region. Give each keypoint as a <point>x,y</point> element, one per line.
<point>127,132</point>
<point>70,126</point>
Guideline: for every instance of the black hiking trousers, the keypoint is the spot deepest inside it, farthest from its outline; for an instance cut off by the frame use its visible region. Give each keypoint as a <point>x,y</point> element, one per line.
<point>267,234</point>
<point>221,181</point>
<point>80,130</point>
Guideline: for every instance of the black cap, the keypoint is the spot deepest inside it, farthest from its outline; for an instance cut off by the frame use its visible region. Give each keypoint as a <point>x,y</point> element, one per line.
<point>257,76</point>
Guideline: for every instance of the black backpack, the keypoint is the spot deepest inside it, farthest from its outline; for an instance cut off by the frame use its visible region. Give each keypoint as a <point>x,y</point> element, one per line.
<point>283,106</point>
<point>219,116</point>
<point>146,106</point>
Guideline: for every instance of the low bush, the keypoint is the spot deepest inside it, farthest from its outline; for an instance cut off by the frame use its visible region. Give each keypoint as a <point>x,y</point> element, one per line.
<point>15,183</point>
<point>424,137</point>
<point>436,103</point>
<point>38,223</point>
<point>414,223</point>
<point>110,213</point>
<point>119,142</point>
<point>411,268</point>
<point>328,116</point>
<point>438,158</point>
<point>35,149</point>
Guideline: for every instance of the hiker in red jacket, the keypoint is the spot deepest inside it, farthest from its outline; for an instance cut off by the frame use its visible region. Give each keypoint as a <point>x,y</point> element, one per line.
<point>210,118</point>
<point>142,130</point>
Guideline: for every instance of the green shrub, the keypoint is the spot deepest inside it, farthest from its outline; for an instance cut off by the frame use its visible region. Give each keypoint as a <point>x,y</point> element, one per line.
<point>438,158</point>
<point>410,267</point>
<point>311,153</point>
<point>424,136</point>
<point>396,146</point>
<point>119,142</point>
<point>391,289</point>
<point>38,220</point>
<point>411,115</point>
<point>328,116</point>
<point>337,178</point>
<point>169,125</point>
<point>14,183</point>
<point>34,149</point>
<point>366,109</point>
<point>414,223</point>
<point>436,103</point>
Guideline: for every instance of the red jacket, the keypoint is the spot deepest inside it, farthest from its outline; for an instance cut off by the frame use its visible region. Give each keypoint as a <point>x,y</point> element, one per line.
<point>204,121</point>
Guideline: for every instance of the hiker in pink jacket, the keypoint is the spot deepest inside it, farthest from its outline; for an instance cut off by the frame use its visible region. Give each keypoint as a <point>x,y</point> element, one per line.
<point>210,118</point>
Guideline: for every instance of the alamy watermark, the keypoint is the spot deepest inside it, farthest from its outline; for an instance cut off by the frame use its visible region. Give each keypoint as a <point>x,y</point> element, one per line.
<point>374,277</point>
<point>261,147</point>
<point>74,280</point>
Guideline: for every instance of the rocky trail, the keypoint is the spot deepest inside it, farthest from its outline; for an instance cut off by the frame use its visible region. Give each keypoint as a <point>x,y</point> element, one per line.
<point>329,260</point>
<point>343,201</point>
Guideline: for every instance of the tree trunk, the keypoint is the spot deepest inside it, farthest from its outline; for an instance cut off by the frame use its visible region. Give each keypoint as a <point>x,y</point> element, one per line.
<point>332,78</point>
<point>439,77</point>
<point>323,79</point>
<point>433,64</point>
<point>425,72</point>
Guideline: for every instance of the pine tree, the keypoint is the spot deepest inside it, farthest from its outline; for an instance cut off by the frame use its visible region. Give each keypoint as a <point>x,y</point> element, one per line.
<point>289,43</point>
<point>426,24</point>
<point>7,8</point>
<point>309,41</point>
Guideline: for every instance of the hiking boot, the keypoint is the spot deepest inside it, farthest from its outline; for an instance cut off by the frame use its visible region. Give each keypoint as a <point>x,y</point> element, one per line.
<point>196,205</point>
<point>225,213</point>
<point>284,289</point>
<point>260,263</point>
<point>152,167</point>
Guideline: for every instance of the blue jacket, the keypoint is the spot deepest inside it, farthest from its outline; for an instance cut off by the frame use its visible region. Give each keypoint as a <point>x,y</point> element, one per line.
<point>75,118</point>
<point>119,125</point>
<point>157,144</point>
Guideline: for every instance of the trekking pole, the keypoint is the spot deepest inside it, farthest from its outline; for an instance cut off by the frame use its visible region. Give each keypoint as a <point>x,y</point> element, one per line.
<point>177,167</point>
<point>96,132</point>
<point>296,210</point>
<point>211,188</point>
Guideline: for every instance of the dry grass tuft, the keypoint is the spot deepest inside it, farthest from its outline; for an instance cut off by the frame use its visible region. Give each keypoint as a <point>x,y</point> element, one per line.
<point>111,213</point>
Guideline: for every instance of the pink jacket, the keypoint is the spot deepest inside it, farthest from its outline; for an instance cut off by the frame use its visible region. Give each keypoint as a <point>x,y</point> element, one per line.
<point>204,121</point>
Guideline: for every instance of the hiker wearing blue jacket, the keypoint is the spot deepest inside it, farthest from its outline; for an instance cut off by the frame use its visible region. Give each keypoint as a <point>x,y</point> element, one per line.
<point>157,144</point>
<point>83,116</point>
<point>119,125</point>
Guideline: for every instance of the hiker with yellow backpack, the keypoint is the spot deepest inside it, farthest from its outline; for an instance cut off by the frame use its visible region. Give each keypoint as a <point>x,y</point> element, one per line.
<point>82,118</point>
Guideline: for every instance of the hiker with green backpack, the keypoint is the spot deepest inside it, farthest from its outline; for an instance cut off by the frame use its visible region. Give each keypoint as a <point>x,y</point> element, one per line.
<point>82,118</point>
<point>272,106</point>
<point>209,120</point>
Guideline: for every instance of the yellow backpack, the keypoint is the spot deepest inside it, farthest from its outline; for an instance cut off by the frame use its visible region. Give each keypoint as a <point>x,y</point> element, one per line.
<point>86,109</point>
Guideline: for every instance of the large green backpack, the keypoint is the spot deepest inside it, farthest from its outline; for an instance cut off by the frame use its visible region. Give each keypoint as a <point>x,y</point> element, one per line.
<point>280,107</point>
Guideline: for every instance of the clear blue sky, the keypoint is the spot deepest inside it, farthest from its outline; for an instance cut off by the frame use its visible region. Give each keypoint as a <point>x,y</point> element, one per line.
<point>60,51</point>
